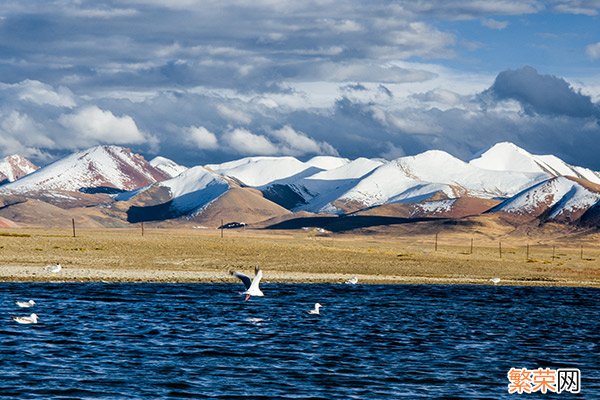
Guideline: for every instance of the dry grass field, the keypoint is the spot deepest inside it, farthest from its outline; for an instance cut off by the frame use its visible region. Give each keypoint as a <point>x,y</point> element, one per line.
<point>179,255</point>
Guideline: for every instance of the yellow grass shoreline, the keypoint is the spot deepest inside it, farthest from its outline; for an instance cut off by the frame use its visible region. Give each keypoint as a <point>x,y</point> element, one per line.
<point>196,255</point>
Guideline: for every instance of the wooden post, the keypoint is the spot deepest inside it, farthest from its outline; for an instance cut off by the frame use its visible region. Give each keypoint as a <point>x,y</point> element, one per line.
<point>581,253</point>
<point>553,251</point>
<point>436,235</point>
<point>471,246</point>
<point>73,223</point>
<point>500,248</point>
<point>142,228</point>
<point>527,257</point>
<point>221,228</point>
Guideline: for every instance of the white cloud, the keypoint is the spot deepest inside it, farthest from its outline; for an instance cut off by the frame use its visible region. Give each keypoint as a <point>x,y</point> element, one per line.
<point>102,12</point>
<point>233,115</point>
<point>201,137</point>
<point>20,134</point>
<point>494,24</point>
<point>92,125</point>
<point>589,8</point>
<point>593,51</point>
<point>416,39</point>
<point>293,142</point>
<point>41,93</point>
<point>243,141</point>
<point>345,26</point>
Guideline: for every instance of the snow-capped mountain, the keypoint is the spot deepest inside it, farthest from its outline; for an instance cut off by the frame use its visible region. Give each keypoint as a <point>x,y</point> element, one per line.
<point>199,195</point>
<point>194,189</point>
<point>318,191</point>
<point>101,166</point>
<point>430,184</point>
<point>327,162</point>
<point>169,167</point>
<point>14,167</point>
<point>261,171</point>
<point>433,173</point>
<point>559,198</point>
<point>509,157</point>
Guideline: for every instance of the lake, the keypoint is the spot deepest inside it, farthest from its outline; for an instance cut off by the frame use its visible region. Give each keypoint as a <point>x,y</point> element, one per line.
<point>154,340</point>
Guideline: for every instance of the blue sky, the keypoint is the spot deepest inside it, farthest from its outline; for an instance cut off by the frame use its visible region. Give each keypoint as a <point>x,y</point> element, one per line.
<point>209,81</point>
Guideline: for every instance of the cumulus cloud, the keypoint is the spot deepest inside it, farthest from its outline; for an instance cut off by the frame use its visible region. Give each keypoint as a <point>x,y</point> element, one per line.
<point>242,141</point>
<point>542,94</point>
<point>40,93</point>
<point>285,77</point>
<point>283,141</point>
<point>92,125</point>
<point>440,97</point>
<point>593,51</point>
<point>201,137</point>
<point>20,134</point>
<point>293,142</point>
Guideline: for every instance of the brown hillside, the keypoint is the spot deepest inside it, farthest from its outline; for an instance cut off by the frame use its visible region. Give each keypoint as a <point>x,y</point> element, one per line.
<point>239,205</point>
<point>6,223</point>
<point>38,213</point>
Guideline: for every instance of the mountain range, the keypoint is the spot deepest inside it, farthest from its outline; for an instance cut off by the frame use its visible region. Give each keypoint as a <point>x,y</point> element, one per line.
<point>112,186</point>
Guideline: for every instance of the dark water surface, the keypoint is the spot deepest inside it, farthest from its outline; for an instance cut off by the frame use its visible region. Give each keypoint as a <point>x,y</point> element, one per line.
<point>150,340</point>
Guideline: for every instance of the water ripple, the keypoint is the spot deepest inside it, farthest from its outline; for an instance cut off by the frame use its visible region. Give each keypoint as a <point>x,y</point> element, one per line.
<point>203,341</point>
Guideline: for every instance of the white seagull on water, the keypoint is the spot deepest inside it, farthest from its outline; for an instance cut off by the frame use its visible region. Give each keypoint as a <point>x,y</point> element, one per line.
<point>251,285</point>
<point>25,304</point>
<point>352,281</point>
<point>315,310</point>
<point>32,319</point>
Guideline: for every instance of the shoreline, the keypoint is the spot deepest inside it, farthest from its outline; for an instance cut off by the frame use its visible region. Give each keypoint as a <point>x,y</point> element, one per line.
<point>29,274</point>
<point>117,255</point>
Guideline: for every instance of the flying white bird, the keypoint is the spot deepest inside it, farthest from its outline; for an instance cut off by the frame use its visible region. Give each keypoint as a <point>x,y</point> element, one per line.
<point>352,281</point>
<point>495,281</point>
<point>315,310</point>
<point>251,285</point>
<point>54,268</point>
<point>32,319</point>
<point>25,304</point>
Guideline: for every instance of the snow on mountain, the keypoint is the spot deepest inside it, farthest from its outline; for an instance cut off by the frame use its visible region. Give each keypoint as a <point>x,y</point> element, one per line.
<point>416,178</point>
<point>260,171</point>
<point>509,157</point>
<point>327,162</point>
<point>169,167</point>
<point>558,197</point>
<point>322,188</point>
<point>100,166</point>
<point>194,189</point>
<point>14,167</point>
<point>203,196</point>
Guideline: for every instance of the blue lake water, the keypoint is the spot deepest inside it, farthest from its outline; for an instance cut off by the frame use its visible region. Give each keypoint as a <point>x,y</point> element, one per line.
<point>150,340</point>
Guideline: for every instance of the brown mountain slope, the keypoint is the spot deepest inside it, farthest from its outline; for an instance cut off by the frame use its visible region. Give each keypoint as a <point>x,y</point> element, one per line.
<point>239,204</point>
<point>7,223</point>
<point>31,212</point>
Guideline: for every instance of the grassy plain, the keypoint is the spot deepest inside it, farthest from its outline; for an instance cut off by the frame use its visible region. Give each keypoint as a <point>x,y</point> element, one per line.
<point>189,255</point>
